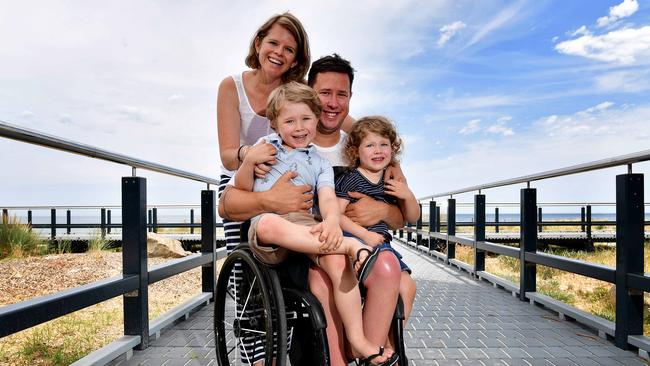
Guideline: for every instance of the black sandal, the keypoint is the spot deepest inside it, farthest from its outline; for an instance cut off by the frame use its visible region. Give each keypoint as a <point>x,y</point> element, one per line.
<point>392,360</point>
<point>366,266</point>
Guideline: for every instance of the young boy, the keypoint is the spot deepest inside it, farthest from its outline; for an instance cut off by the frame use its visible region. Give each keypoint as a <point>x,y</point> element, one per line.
<point>293,110</point>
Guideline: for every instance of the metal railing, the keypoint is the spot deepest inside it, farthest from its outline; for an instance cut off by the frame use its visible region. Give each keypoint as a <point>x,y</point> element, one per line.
<point>628,276</point>
<point>133,283</point>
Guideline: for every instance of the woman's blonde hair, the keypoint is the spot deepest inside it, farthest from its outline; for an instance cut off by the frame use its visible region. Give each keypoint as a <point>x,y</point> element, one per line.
<point>360,129</point>
<point>293,92</point>
<point>303,57</point>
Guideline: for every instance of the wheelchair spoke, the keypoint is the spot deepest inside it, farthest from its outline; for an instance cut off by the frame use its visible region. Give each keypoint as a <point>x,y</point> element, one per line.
<point>253,331</point>
<point>250,291</point>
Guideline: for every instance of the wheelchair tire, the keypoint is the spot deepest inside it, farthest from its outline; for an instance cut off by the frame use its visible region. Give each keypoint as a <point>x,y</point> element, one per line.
<point>243,313</point>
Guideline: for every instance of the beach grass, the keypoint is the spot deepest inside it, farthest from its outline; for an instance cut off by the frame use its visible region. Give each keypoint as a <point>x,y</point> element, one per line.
<point>17,239</point>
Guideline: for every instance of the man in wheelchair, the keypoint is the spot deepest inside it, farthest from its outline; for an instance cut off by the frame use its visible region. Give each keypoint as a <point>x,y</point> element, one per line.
<point>331,77</point>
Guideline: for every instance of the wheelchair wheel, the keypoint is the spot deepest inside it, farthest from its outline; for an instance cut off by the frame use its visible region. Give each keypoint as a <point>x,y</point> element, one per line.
<point>243,313</point>
<point>309,344</point>
<point>398,332</point>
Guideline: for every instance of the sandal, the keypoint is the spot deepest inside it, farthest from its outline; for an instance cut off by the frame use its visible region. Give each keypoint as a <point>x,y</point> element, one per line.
<point>392,360</point>
<point>366,266</point>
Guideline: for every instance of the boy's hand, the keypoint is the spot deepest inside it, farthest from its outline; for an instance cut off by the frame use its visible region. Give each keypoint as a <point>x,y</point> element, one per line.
<point>372,239</point>
<point>262,153</point>
<point>330,236</point>
<point>397,188</point>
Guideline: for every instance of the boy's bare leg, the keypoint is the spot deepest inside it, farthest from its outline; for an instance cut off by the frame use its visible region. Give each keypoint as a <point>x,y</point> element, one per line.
<point>321,286</point>
<point>382,288</point>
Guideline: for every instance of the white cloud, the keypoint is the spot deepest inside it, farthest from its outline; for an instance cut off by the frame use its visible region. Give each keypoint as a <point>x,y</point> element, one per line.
<point>477,102</point>
<point>622,10</point>
<point>500,127</point>
<point>497,22</point>
<point>582,31</point>
<point>624,46</point>
<point>470,127</point>
<point>27,114</point>
<point>176,97</point>
<point>448,31</point>
<point>134,114</point>
<point>554,39</point>
<point>623,81</point>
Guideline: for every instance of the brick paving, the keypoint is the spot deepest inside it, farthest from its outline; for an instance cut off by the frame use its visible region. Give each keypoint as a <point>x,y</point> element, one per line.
<point>456,320</point>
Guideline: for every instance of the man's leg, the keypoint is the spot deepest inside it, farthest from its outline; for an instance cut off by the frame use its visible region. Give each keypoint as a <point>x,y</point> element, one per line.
<point>382,288</point>
<point>321,286</point>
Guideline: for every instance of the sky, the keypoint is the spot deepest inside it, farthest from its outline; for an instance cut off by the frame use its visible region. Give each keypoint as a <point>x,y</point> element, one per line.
<point>480,90</point>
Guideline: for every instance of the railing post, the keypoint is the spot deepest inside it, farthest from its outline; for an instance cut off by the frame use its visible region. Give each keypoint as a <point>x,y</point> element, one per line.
<point>409,234</point>
<point>68,219</point>
<point>588,223</point>
<point>401,233</point>
<point>53,224</point>
<point>451,228</point>
<point>479,232</point>
<point>102,224</point>
<point>432,221</point>
<point>496,219</point>
<point>155,219</point>
<point>29,219</point>
<point>438,219</point>
<point>134,257</point>
<point>150,221</point>
<point>5,215</point>
<point>418,227</point>
<point>629,256</point>
<point>108,221</point>
<point>191,221</point>
<point>528,241</point>
<point>208,239</point>
<point>539,219</point>
<point>582,219</point>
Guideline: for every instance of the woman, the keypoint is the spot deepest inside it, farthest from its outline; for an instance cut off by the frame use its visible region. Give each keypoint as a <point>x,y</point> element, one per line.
<point>278,53</point>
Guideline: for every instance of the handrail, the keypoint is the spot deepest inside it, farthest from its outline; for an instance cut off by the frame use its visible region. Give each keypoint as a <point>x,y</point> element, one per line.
<point>95,207</point>
<point>574,169</point>
<point>38,138</point>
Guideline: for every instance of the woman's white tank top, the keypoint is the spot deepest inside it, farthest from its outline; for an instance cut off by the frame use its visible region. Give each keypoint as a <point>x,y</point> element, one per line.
<point>252,125</point>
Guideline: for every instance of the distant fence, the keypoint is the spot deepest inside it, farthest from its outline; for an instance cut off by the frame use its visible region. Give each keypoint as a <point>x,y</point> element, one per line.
<point>133,283</point>
<point>628,276</point>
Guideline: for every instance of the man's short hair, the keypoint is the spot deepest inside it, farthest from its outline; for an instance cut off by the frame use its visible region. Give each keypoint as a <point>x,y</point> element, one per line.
<point>330,63</point>
<point>293,92</point>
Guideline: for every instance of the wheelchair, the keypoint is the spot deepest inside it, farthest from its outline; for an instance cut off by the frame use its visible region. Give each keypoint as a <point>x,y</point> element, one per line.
<point>256,306</point>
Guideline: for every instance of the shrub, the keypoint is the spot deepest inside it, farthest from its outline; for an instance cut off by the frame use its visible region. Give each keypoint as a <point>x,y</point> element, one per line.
<point>17,240</point>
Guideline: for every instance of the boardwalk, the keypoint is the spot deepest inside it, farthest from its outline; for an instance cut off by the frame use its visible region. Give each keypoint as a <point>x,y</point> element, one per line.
<point>456,321</point>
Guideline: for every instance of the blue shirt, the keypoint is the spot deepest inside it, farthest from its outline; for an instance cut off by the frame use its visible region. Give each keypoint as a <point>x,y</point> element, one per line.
<point>312,169</point>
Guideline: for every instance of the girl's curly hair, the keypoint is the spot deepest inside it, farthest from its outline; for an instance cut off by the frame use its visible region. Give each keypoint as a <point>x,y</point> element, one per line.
<point>360,129</point>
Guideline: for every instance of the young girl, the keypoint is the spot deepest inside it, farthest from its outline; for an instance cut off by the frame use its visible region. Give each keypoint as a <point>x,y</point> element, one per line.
<point>371,147</point>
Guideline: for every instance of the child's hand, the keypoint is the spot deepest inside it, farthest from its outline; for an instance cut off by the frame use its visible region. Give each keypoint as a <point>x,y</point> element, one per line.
<point>262,153</point>
<point>372,239</point>
<point>397,188</point>
<point>330,236</point>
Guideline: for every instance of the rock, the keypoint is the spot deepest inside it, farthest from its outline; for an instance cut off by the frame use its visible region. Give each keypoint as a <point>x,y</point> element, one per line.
<point>162,246</point>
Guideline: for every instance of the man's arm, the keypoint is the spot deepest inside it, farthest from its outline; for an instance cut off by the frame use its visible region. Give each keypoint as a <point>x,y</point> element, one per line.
<point>368,211</point>
<point>283,197</point>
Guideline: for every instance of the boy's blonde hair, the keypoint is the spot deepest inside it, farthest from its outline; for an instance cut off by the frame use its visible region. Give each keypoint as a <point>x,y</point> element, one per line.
<point>293,92</point>
<point>360,129</point>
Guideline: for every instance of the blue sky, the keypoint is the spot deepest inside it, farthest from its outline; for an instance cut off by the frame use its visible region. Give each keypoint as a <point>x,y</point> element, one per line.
<point>481,91</point>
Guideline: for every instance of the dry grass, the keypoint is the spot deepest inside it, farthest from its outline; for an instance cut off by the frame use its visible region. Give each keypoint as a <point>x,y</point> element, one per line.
<point>594,296</point>
<point>66,339</point>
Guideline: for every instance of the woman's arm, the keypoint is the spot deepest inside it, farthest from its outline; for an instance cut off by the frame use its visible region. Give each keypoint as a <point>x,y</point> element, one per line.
<point>260,153</point>
<point>228,123</point>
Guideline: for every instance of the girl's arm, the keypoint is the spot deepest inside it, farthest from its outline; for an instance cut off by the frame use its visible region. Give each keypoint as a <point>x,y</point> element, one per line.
<point>357,230</point>
<point>228,123</point>
<point>405,199</point>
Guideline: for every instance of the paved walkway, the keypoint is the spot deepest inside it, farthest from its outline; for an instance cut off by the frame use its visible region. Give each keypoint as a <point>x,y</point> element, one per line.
<point>456,321</point>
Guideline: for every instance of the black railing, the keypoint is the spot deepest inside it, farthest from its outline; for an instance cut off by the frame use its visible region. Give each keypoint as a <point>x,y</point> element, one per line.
<point>628,276</point>
<point>136,276</point>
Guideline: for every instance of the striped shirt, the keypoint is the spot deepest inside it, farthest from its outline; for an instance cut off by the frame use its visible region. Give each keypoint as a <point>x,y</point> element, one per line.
<point>354,181</point>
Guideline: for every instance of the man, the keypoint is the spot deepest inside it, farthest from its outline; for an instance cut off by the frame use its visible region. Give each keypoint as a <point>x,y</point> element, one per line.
<point>332,77</point>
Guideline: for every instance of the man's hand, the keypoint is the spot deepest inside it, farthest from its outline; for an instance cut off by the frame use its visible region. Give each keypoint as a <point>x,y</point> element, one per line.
<point>285,197</point>
<point>366,211</point>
